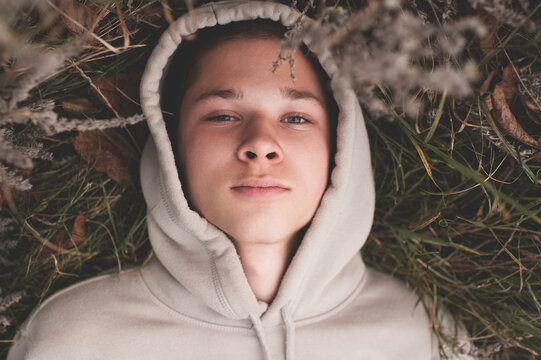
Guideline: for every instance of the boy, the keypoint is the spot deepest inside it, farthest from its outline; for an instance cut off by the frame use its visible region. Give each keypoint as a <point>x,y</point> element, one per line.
<point>257,253</point>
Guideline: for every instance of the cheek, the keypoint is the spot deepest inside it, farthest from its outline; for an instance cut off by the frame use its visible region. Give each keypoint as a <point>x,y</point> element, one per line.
<point>312,158</point>
<point>201,157</point>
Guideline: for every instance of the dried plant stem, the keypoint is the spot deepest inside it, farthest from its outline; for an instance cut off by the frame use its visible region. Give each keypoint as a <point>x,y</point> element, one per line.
<point>40,238</point>
<point>167,12</point>
<point>103,97</point>
<point>105,43</point>
<point>125,32</point>
<point>7,196</point>
<point>358,18</point>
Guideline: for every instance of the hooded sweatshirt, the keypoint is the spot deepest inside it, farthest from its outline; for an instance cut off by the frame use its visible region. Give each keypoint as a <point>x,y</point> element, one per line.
<point>193,300</point>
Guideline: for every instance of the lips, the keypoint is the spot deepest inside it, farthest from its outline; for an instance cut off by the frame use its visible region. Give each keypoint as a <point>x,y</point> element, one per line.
<point>259,188</point>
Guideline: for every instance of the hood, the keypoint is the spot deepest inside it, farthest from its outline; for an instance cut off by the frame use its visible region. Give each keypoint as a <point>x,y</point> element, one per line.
<point>196,269</point>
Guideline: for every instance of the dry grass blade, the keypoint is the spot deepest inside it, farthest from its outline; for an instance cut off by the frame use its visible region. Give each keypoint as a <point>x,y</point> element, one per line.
<point>424,161</point>
<point>98,91</point>
<point>82,27</point>
<point>125,31</point>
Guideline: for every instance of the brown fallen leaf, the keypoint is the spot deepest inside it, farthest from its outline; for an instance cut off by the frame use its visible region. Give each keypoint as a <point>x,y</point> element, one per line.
<point>121,91</point>
<point>507,121</point>
<point>77,16</point>
<point>508,84</point>
<point>486,84</point>
<point>78,230</point>
<point>102,155</point>
<point>59,240</point>
<point>512,115</point>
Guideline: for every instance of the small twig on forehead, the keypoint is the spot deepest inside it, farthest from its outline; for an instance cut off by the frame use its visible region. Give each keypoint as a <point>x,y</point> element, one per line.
<point>276,64</point>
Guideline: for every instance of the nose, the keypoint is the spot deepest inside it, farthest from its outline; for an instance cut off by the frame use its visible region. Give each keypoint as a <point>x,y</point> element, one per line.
<point>260,143</point>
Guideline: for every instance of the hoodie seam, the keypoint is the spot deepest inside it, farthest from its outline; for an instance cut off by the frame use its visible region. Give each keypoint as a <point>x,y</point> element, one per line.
<point>213,269</point>
<point>169,310</point>
<point>218,283</point>
<point>165,201</point>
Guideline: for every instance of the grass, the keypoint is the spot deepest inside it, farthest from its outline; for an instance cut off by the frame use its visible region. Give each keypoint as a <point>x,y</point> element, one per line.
<point>457,217</point>
<point>471,243</point>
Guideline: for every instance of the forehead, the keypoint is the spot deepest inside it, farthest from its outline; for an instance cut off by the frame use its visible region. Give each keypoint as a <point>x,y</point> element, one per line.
<point>252,61</point>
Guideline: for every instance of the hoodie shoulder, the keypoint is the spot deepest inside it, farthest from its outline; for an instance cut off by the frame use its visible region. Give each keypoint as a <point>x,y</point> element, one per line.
<point>385,299</point>
<point>75,319</point>
<point>391,314</point>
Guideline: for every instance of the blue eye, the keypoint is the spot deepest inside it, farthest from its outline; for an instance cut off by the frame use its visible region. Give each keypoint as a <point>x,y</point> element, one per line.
<point>295,119</point>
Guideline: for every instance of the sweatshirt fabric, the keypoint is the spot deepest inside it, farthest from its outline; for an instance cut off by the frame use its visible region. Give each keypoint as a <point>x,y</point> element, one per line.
<point>193,300</point>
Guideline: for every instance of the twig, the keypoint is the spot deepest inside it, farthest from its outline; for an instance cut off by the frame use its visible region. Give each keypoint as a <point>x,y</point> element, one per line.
<point>105,43</point>
<point>167,12</point>
<point>97,90</point>
<point>358,18</point>
<point>123,26</point>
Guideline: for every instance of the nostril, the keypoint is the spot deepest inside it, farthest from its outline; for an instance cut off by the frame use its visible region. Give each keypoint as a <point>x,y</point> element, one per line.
<point>251,155</point>
<point>271,155</point>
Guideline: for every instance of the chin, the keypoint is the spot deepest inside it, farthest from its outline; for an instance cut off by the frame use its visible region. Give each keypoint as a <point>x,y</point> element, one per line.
<point>265,231</point>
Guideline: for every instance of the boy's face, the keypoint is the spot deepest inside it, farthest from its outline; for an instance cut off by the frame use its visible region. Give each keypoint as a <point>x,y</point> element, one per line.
<point>254,145</point>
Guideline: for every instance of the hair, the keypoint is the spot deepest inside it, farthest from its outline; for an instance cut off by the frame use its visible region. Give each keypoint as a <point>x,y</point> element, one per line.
<point>183,67</point>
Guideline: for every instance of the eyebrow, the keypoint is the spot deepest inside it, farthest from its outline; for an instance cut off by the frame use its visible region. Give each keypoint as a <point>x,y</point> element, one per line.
<point>221,93</point>
<point>295,94</point>
<point>232,94</point>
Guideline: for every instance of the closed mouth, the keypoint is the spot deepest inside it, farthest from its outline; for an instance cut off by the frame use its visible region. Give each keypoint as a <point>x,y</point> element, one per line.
<point>259,191</point>
<point>260,187</point>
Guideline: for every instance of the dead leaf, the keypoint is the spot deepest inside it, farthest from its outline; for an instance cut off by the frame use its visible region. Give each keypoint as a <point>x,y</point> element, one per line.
<point>507,121</point>
<point>61,240</point>
<point>79,106</point>
<point>486,84</point>
<point>504,101</point>
<point>102,155</point>
<point>78,230</point>
<point>121,90</point>
<point>77,16</point>
<point>508,83</point>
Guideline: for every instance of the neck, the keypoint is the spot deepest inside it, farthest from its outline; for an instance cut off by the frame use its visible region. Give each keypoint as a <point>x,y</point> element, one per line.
<point>264,265</point>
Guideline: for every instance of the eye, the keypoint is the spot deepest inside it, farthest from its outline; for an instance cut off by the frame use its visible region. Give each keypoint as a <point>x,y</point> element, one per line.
<point>295,119</point>
<point>221,118</point>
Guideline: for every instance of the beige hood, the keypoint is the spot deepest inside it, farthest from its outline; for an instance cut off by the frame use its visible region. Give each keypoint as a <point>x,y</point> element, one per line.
<point>327,267</point>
